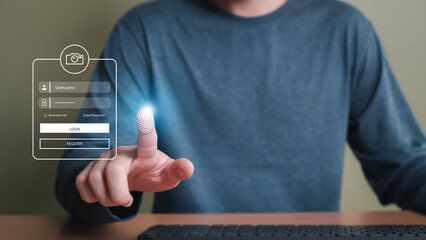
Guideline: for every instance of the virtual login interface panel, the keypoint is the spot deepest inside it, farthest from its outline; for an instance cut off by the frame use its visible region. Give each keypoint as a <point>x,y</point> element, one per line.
<point>72,113</point>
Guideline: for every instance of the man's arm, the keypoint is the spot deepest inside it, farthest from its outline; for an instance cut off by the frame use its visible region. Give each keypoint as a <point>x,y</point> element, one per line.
<point>132,74</point>
<point>108,191</point>
<point>383,132</point>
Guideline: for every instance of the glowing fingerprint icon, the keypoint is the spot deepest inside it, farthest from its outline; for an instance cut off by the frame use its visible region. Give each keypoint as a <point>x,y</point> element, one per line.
<point>145,120</point>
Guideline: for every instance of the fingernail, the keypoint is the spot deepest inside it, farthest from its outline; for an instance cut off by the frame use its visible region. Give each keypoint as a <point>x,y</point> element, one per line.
<point>145,120</point>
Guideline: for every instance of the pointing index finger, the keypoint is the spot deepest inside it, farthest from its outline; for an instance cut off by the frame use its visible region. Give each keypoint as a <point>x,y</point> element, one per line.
<point>147,137</point>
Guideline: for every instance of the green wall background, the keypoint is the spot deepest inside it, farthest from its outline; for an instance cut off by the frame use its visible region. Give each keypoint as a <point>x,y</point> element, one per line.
<point>32,29</point>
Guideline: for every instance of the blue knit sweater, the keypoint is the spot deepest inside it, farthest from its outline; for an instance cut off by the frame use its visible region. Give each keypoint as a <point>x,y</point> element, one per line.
<point>262,106</point>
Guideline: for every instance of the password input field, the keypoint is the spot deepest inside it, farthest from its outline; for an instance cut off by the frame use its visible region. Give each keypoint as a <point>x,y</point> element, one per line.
<point>74,103</point>
<point>74,127</point>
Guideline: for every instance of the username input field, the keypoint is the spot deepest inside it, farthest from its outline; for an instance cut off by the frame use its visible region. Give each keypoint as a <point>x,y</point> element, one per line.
<point>74,87</point>
<point>74,127</point>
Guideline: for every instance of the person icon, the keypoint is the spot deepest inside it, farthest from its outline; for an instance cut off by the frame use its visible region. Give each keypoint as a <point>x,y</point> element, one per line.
<point>44,88</point>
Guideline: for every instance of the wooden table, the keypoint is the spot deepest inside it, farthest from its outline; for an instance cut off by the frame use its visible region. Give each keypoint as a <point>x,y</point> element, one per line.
<point>60,227</point>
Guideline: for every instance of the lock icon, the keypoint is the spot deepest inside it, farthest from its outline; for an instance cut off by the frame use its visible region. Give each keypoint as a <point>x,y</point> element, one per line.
<point>44,102</point>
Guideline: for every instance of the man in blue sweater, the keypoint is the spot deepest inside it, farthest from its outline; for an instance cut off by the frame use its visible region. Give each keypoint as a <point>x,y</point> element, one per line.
<point>261,96</point>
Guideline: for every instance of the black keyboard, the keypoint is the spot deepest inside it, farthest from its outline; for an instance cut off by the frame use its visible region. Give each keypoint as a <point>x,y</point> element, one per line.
<point>288,232</point>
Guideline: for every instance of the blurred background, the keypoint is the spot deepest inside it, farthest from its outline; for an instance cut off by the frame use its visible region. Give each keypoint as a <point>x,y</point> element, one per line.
<point>34,29</point>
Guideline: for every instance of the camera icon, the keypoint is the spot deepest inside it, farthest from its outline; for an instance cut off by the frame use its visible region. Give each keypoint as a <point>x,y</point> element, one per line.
<point>74,59</point>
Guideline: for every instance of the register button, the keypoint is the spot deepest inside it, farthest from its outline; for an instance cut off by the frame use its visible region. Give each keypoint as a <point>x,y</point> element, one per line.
<point>74,143</point>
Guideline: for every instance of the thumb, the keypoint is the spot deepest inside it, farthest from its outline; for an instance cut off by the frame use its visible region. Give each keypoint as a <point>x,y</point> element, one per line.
<point>178,170</point>
<point>147,137</point>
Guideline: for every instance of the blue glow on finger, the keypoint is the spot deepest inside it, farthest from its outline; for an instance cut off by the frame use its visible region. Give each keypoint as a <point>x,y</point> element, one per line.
<point>145,120</point>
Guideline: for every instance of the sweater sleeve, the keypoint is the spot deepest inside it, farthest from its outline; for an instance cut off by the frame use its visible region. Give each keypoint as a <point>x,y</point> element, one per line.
<point>127,46</point>
<point>383,132</point>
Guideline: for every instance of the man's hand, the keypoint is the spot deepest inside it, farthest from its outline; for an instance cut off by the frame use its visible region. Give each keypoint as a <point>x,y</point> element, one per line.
<point>136,168</point>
